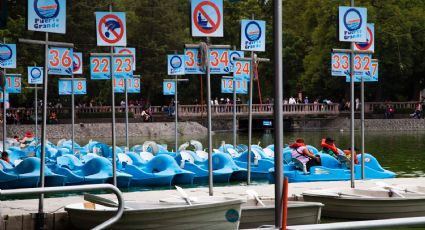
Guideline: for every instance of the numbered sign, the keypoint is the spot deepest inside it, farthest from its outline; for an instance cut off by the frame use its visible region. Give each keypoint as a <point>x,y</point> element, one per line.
<point>352,24</point>
<point>219,61</point>
<point>192,61</point>
<point>169,87</point>
<point>123,67</point>
<point>232,55</point>
<point>241,86</point>
<point>100,68</point>
<point>77,61</point>
<point>362,64</point>
<point>47,16</point>
<point>375,70</point>
<point>207,18</point>
<point>130,51</point>
<point>65,86</point>
<point>111,29</point>
<point>253,35</point>
<point>13,84</point>
<point>1,97</point>
<point>340,64</point>
<point>8,56</point>
<point>133,85</point>
<point>60,61</point>
<point>176,64</point>
<point>35,75</point>
<point>119,85</point>
<point>226,85</point>
<point>242,70</point>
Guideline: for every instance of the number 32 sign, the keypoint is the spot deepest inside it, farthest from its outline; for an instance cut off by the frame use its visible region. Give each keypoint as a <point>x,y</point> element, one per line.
<point>60,61</point>
<point>341,64</point>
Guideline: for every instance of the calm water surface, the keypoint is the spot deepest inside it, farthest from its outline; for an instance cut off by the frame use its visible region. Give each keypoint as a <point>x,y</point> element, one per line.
<point>401,152</point>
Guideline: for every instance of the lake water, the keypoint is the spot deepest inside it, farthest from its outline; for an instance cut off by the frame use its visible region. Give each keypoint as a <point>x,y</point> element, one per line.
<point>401,152</point>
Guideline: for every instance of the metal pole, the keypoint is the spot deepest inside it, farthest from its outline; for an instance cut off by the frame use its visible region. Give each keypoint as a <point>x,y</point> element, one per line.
<point>210,168</point>
<point>352,108</point>
<point>114,157</point>
<point>234,109</point>
<point>251,83</point>
<point>278,111</point>
<point>4,111</point>
<point>362,128</point>
<point>40,221</point>
<point>176,115</point>
<point>73,113</point>
<point>126,114</point>
<point>36,111</point>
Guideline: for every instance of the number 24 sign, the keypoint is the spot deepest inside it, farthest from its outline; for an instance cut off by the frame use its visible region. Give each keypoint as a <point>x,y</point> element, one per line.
<point>100,67</point>
<point>341,64</point>
<point>60,61</point>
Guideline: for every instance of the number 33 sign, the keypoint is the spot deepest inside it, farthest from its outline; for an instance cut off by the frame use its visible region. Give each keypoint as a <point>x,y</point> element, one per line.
<point>60,61</point>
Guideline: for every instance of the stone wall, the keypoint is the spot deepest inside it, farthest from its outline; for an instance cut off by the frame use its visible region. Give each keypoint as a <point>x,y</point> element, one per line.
<point>370,124</point>
<point>100,130</point>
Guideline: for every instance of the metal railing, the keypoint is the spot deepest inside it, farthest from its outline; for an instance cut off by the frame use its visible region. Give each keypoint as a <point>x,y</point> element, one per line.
<point>77,188</point>
<point>367,224</point>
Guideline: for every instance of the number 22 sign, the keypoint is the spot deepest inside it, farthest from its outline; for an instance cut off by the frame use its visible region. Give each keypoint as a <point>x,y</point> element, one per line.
<point>60,61</point>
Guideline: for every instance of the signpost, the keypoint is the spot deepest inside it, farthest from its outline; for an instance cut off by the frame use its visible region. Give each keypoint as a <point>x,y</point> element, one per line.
<point>51,20</point>
<point>170,88</point>
<point>35,88</point>
<point>35,76</point>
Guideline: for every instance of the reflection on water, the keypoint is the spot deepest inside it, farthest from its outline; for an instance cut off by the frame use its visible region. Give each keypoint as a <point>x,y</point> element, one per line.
<point>401,152</point>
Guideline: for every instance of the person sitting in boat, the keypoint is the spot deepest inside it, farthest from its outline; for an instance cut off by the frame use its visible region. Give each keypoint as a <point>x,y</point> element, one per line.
<point>328,147</point>
<point>28,138</point>
<point>300,151</point>
<point>5,157</point>
<point>348,154</point>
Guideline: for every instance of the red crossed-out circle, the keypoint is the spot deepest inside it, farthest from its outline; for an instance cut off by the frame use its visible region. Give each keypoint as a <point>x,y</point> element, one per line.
<point>198,9</point>
<point>118,37</point>
<point>369,44</point>
<point>78,62</point>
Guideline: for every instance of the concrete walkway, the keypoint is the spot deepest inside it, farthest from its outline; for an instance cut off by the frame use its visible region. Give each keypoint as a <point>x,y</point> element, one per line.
<point>51,205</point>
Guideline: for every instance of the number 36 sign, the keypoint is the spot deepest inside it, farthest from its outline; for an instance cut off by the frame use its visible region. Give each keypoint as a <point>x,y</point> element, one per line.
<point>60,61</point>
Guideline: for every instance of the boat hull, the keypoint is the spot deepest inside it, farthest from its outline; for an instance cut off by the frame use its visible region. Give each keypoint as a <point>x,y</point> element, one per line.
<point>298,213</point>
<point>224,214</point>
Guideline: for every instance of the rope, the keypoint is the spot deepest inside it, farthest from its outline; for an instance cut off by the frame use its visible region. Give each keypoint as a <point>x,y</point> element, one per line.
<point>203,51</point>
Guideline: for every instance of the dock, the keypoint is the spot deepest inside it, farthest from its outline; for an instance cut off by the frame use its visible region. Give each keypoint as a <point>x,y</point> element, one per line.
<point>18,214</point>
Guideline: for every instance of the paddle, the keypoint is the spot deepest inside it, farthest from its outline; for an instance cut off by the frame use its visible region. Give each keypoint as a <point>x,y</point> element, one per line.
<point>183,195</point>
<point>254,194</point>
<point>102,201</point>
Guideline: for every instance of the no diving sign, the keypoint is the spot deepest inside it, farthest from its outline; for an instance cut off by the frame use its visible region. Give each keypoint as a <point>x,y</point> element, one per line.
<point>111,29</point>
<point>207,18</point>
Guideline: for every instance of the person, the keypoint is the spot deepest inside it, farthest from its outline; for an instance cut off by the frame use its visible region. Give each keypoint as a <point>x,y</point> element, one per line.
<point>306,100</point>
<point>28,138</point>
<point>300,151</point>
<point>5,157</point>
<point>348,154</point>
<point>292,101</point>
<point>418,111</point>
<point>328,147</point>
<point>16,138</point>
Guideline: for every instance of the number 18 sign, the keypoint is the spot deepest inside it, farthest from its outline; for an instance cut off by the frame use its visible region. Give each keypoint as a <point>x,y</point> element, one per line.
<point>65,87</point>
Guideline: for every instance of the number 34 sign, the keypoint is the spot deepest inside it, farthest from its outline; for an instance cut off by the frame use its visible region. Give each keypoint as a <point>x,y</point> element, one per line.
<point>60,61</point>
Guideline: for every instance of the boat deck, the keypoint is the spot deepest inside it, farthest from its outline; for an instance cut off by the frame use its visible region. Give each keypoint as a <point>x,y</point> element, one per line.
<point>51,205</point>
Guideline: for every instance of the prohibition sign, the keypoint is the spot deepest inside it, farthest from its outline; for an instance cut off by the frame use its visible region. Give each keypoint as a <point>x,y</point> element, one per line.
<point>111,29</point>
<point>366,45</point>
<point>77,64</point>
<point>198,12</point>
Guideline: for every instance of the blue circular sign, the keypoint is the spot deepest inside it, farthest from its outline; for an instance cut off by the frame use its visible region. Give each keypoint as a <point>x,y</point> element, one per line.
<point>253,31</point>
<point>46,9</point>
<point>176,62</point>
<point>5,52</point>
<point>233,55</point>
<point>232,215</point>
<point>353,19</point>
<point>35,73</point>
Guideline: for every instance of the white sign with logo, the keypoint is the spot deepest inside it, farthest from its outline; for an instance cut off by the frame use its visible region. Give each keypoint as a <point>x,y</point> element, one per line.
<point>253,35</point>
<point>35,75</point>
<point>352,24</point>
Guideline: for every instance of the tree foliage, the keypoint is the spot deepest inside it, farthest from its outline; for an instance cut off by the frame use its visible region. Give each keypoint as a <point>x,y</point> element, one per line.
<point>160,27</point>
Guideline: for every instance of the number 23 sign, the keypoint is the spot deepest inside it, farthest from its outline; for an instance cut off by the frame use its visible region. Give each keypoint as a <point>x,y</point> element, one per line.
<point>341,64</point>
<point>100,67</point>
<point>60,61</point>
